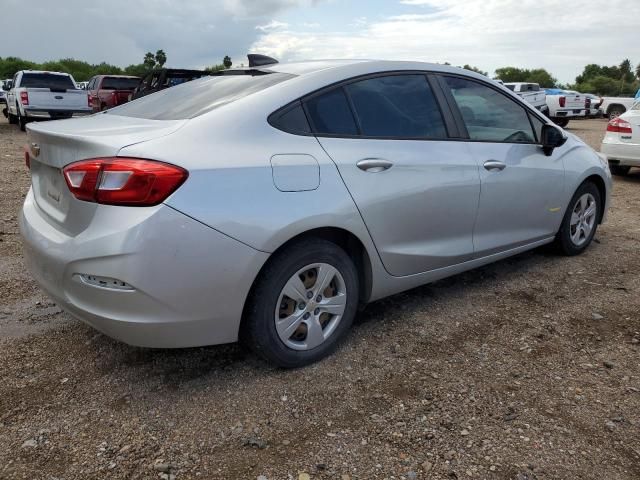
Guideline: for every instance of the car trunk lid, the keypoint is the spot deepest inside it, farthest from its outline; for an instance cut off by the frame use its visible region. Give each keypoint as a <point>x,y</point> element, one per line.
<point>53,145</point>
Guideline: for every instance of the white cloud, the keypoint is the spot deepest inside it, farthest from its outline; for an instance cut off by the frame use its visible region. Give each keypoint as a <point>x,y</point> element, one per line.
<point>487,33</point>
<point>272,25</point>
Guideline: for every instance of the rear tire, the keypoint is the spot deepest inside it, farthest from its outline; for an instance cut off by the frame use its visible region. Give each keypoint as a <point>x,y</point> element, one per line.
<point>615,112</point>
<point>293,332</point>
<point>22,121</point>
<point>561,122</point>
<point>580,221</point>
<point>619,170</point>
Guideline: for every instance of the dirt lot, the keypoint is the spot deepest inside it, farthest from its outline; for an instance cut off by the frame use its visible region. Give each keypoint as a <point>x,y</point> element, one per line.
<point>525,369</point>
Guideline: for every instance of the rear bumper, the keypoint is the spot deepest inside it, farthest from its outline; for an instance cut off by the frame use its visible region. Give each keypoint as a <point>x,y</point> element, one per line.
<point>186,283</point>
<point>569,113</point>
<point>35,112</point>
<point>622,154</point>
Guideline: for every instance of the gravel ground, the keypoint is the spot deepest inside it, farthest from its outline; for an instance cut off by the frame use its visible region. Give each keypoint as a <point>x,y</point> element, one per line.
<point>525,369</point>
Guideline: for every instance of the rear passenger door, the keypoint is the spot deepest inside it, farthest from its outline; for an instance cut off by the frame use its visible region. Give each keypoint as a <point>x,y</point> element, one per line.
<point>521,200</point>
<point>416,190</point>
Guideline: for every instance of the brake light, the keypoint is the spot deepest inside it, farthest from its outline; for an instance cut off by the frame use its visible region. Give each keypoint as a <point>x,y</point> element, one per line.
<point>563,101</point>
<point>618,125</point>
<point>89,101</point>
<point>123,181</point>
<point>24,98</point>
<point>587,103</point>
<point>114,99</point>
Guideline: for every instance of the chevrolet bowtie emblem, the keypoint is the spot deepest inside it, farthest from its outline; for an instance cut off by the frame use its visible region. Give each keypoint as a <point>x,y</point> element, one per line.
<point>35,149</point>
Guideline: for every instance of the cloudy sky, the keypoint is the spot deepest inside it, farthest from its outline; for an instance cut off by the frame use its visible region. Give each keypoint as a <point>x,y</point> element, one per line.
<point>560,35</point>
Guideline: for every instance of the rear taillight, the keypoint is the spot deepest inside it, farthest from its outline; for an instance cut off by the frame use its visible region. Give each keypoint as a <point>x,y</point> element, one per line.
<point>89,101</point>
<point>24,98</point>
<point>563,101</point>
<point>587,103</point>
<point>123,181</point>
<point>618,125</point>
<point>114,99</point>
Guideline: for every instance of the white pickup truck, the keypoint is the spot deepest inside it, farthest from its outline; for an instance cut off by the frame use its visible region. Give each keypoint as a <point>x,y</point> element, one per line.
<point>613,107</point>
<point>565,105</point>
<point>44,95</point>
<point>531,92</point>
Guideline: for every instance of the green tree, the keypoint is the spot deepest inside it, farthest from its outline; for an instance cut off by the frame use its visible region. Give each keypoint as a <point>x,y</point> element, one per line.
<point>638,71</point>
<point>537,75</point>
<point>161,58</point>
<point>149,60</point>
<point>226,61</point>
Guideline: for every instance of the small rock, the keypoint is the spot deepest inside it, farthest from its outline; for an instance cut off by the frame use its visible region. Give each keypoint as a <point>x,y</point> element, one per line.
<point>450,455</point>
<point>304,476</point>
<point>610,425</point>
<point>464,432</point>
<point>124,449</point>
<point>262,477</point>
<point>285,442</point>
<point>345,477</point>
<point>412,475</point>
<point>596,316</point>
<point>254,442</point>
<point>162,467</point>
<point>427,466</point>
<point>30,443</point>
<point>492,468</point>
<point>608,364</point>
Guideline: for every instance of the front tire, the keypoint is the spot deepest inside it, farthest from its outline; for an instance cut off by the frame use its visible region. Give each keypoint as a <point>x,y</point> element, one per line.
<point>302,305</point>
<point>580,221</point>
<point>619,170</point>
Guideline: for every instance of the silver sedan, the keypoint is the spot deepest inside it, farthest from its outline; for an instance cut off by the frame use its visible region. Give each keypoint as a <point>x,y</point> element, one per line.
<point>266,204</point>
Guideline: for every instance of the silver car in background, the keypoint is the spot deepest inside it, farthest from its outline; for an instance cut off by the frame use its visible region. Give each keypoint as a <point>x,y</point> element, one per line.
<point>265,205</point>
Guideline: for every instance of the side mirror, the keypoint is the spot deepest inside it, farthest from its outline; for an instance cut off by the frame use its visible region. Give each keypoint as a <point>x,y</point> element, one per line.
<point>552,137</point>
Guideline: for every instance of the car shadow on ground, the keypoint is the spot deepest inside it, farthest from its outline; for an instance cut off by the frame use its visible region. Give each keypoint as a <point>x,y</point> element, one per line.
<point>190,367</point>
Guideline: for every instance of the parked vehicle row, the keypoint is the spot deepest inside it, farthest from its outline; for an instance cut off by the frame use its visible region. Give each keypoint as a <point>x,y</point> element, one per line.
<point>163,224</point>
<point>108,91</point>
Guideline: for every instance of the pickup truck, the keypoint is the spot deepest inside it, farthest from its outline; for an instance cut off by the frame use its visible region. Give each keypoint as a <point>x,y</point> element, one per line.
<point>44,95</point>
<point>613,107</point>
<point>565,105</point>
<point>532,93</point>
<point>108,91</point>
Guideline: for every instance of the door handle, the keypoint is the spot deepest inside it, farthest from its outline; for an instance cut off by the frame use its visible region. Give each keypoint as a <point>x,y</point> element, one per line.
<point>374,165</point>
<point>494,165</point>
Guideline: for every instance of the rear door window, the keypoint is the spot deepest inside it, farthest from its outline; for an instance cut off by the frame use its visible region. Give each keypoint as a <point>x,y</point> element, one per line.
<point>397,106</point>
<point>489,115</point>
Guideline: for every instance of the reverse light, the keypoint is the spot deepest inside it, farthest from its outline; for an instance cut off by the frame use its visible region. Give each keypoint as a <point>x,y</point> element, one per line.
<point>24,98</point>
<point>618,125</point>
<point>123,181</point>
<point>563,101</point>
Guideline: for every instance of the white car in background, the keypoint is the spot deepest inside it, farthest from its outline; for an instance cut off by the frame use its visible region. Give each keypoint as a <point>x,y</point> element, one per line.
<point>621,143</point>
<point>613,107</point>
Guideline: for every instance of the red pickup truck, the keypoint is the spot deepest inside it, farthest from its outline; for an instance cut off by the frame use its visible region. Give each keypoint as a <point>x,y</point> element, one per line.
<point>107,91</point>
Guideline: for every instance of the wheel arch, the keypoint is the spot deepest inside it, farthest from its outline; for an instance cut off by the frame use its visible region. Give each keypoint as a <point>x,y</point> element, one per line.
<point>602,189</point>
<point>346,240</point>
<point>614,105</point>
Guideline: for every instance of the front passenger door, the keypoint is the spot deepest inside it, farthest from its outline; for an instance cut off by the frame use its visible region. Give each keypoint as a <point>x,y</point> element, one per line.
<point>521,187</point>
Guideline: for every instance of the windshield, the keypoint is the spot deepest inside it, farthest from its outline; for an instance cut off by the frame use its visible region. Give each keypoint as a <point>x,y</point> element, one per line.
<point>115,83</point>
<point>47,80</point>
<point>200,96</point>
<point>510,87</point>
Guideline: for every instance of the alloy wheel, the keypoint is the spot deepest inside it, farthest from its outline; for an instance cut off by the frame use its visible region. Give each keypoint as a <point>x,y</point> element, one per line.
<point>583,219</point>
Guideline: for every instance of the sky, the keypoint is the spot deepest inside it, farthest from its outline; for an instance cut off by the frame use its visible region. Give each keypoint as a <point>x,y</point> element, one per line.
<point>561,36</point>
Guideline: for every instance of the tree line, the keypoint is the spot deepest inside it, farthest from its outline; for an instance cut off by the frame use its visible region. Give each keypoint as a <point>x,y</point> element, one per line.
<point>615,80</point>
<point>83,71</point>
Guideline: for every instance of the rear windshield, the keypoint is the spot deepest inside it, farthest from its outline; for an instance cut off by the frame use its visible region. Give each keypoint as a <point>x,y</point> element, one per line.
<point>199,96</point>
<point>115,83</point>
<point>47,80</point>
